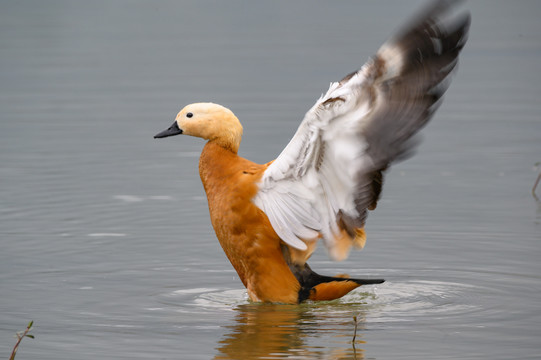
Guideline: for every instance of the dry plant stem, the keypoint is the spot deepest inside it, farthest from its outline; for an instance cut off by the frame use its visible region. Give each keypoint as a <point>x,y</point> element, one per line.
<point>355,322</point>
<point>20,336</point>
<point>354,330</point>
<point>535,186</point>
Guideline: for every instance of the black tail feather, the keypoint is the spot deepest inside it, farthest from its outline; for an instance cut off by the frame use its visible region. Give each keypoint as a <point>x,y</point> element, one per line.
<point>308,279</point>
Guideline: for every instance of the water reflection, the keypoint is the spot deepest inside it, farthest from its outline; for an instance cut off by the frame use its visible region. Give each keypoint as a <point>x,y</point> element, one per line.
<point>270,331</point>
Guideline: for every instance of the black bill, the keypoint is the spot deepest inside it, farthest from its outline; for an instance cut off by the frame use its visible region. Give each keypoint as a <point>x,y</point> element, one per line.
<point>173,130</point>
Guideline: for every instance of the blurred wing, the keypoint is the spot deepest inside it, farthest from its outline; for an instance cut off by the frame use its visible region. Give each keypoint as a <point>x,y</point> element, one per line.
<point>331,172</point>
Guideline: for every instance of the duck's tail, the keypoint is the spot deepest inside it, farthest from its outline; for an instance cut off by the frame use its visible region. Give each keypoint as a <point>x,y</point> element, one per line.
<point>319,287</point>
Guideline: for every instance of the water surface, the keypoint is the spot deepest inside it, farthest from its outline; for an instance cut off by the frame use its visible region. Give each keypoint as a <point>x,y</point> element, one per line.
<point>105,240</point>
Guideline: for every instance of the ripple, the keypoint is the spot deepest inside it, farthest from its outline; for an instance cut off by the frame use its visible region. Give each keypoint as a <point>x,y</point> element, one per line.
<point>415,299</point>
<point>106,234</point>
<point>137,198</point>
<point>128,198</point>
<point>222,299</point>
<point>460,297</point>
<point>455,296</point>
<point>205,299</point>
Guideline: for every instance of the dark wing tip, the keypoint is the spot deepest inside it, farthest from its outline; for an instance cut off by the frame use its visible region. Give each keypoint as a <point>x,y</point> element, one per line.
<point>410,75</point>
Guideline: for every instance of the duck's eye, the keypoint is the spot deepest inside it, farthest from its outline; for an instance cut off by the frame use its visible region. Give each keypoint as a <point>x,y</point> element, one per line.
<point>189,115</point>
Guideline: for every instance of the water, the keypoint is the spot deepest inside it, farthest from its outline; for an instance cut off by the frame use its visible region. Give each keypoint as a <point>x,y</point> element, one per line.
<point>104,232</point>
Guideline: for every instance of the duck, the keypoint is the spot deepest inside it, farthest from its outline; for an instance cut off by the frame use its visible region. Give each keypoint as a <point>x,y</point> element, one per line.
<point>268,218</point>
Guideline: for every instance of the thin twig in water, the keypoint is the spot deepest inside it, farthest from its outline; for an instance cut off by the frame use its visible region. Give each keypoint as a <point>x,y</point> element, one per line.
<point>535,186</point>
<point>355,322</point>
<point>20,336</point>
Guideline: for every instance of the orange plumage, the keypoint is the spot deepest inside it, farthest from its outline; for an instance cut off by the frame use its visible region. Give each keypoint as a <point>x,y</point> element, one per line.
<point>269,269</point>
<point>268,218</point>
<point>243,230</point>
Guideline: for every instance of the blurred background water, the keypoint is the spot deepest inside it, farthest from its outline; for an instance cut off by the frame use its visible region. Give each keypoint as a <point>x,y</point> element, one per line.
<point>105,240</point>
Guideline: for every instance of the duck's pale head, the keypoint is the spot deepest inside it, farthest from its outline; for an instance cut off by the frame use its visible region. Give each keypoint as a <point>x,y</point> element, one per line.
<point>209,121</point>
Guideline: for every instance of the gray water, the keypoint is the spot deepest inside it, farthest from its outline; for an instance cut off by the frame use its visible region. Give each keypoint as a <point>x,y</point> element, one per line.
<point>105,240</point>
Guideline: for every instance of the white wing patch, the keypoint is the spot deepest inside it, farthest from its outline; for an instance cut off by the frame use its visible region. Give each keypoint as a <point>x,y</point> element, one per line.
<point>313,178</point>
<point>330,173</point>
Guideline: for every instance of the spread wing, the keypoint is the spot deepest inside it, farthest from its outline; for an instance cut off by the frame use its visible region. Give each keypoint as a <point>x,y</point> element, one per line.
<point>331,172</point>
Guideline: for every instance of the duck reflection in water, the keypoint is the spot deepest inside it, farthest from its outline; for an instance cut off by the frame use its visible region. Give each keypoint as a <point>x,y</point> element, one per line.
<point>308,331</point>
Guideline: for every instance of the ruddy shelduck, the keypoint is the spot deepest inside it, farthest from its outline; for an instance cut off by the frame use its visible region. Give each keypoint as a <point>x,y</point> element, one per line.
<point>268,218</point>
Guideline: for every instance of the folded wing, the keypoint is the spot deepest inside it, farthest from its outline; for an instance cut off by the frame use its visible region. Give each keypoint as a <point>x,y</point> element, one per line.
<point>331,173</point>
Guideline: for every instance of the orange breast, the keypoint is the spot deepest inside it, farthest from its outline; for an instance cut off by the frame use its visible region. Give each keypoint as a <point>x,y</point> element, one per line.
<point>244,231</point>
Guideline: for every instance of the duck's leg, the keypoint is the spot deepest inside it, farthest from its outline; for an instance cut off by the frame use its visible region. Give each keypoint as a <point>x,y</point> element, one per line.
<point>319,287</point>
